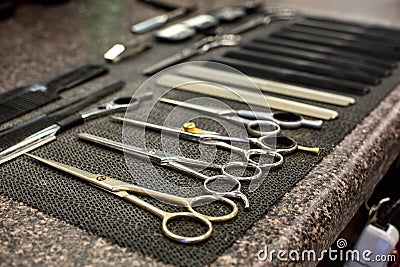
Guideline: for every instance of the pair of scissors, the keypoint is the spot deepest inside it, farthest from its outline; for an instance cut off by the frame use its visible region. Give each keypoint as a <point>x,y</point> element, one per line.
<point>213,138</point>
<point>122,189</point>
<point>283,119</point>
<point>183,164</point>
<point>115,105</point>
<point>254,127</point>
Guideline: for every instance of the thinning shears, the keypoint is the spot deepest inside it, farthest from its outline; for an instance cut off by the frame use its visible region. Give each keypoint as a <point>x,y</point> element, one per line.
<point>122,189</point>
<point>271,159</point>
<point>183,164</point>
<point>283,119</point>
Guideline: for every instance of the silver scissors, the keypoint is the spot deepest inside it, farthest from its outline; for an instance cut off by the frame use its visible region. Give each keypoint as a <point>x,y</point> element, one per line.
<point>281,144</point>
<point>254,127</point>
<point>115,105</point>
<point>283,119</point>
<point>213,138</point>
<point>183,164</point>
<point>122,189</point>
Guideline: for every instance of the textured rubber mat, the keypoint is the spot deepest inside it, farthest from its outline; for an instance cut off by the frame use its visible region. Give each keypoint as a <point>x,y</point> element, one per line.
<point>97,211</point>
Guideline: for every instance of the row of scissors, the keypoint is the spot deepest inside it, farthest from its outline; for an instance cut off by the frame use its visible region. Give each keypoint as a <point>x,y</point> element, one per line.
<point>267,155</point>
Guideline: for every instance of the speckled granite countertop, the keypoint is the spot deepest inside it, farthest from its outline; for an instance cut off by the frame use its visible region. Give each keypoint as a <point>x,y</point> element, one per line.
<point>310,216</point>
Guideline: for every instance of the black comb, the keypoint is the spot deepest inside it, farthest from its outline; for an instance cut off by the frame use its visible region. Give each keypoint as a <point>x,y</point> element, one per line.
<point>24,99</point>
<point>13,135</point>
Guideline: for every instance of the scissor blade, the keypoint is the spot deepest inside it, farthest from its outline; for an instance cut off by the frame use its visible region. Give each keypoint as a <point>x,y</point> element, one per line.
<point>208,110</point>
<point>137,151</point>
<point>146,125</point>
<point>163,129</point>
<point>87,176</point>
<point>31,142</point>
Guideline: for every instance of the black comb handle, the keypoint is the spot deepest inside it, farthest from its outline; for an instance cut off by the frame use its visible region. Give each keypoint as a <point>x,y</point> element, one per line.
<point>75,77</point>
<point>24,99</point>
<point>13,135</point>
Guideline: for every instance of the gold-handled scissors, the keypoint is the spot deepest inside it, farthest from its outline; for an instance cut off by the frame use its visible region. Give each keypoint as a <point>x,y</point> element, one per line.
<point>122,189</point>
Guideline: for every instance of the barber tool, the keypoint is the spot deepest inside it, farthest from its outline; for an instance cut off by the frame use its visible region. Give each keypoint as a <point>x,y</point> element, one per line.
<point>158,21</point>
<point>161,4</point>
<point>357,27</point>
<point>21,100</point>
<point>256,127</point>
<point>49,134</point>
<point>298,52</point>
<point>245,96</point>
<point>119,52</point>
<point>283,119</point>
<point>18,132</point>
<point>364,40</point>
<point>360,47</point>
<point>226,77</point>
<point>204,22</point>
<point>279,144</point>
<point>200,47</point>
<point>191,133</point>
<point>123,189</point>
<point>335,32</point>
<point>352,56</point>
<point>340,28</point>
<point>209,42</point>
<point>295,76</point>
<point>188,203</point>
<point>183,164</point>
<point>271,59</point>
<point>179,32</point>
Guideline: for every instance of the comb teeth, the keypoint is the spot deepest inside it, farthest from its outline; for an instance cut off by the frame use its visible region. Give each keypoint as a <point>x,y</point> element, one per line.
<point>16,136</point>
<point>24,103</point>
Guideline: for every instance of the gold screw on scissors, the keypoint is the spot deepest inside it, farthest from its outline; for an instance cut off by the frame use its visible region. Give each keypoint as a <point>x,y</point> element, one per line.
<point>190,127</point>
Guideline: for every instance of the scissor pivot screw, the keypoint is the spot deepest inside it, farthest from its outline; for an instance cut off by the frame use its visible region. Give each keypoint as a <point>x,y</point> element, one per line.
<point>101,178</point>
<point>190,127</point>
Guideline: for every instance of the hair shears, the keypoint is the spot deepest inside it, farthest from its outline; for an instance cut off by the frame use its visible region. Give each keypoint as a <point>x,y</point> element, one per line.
<point>183,164</point>
<point>283,119</point>
<point>122,189</point>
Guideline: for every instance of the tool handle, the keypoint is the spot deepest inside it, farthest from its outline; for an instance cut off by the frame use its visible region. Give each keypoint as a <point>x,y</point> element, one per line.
<point>150,24</point>
<point>171,60</point>
<point>70,122</point>
<point>75,77</point>
<point>20,131</point>
<point>74,118</point>
<point>255,115</point>
<point>161,4</point>
<point>251,24</point>
<point>93,98</point>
